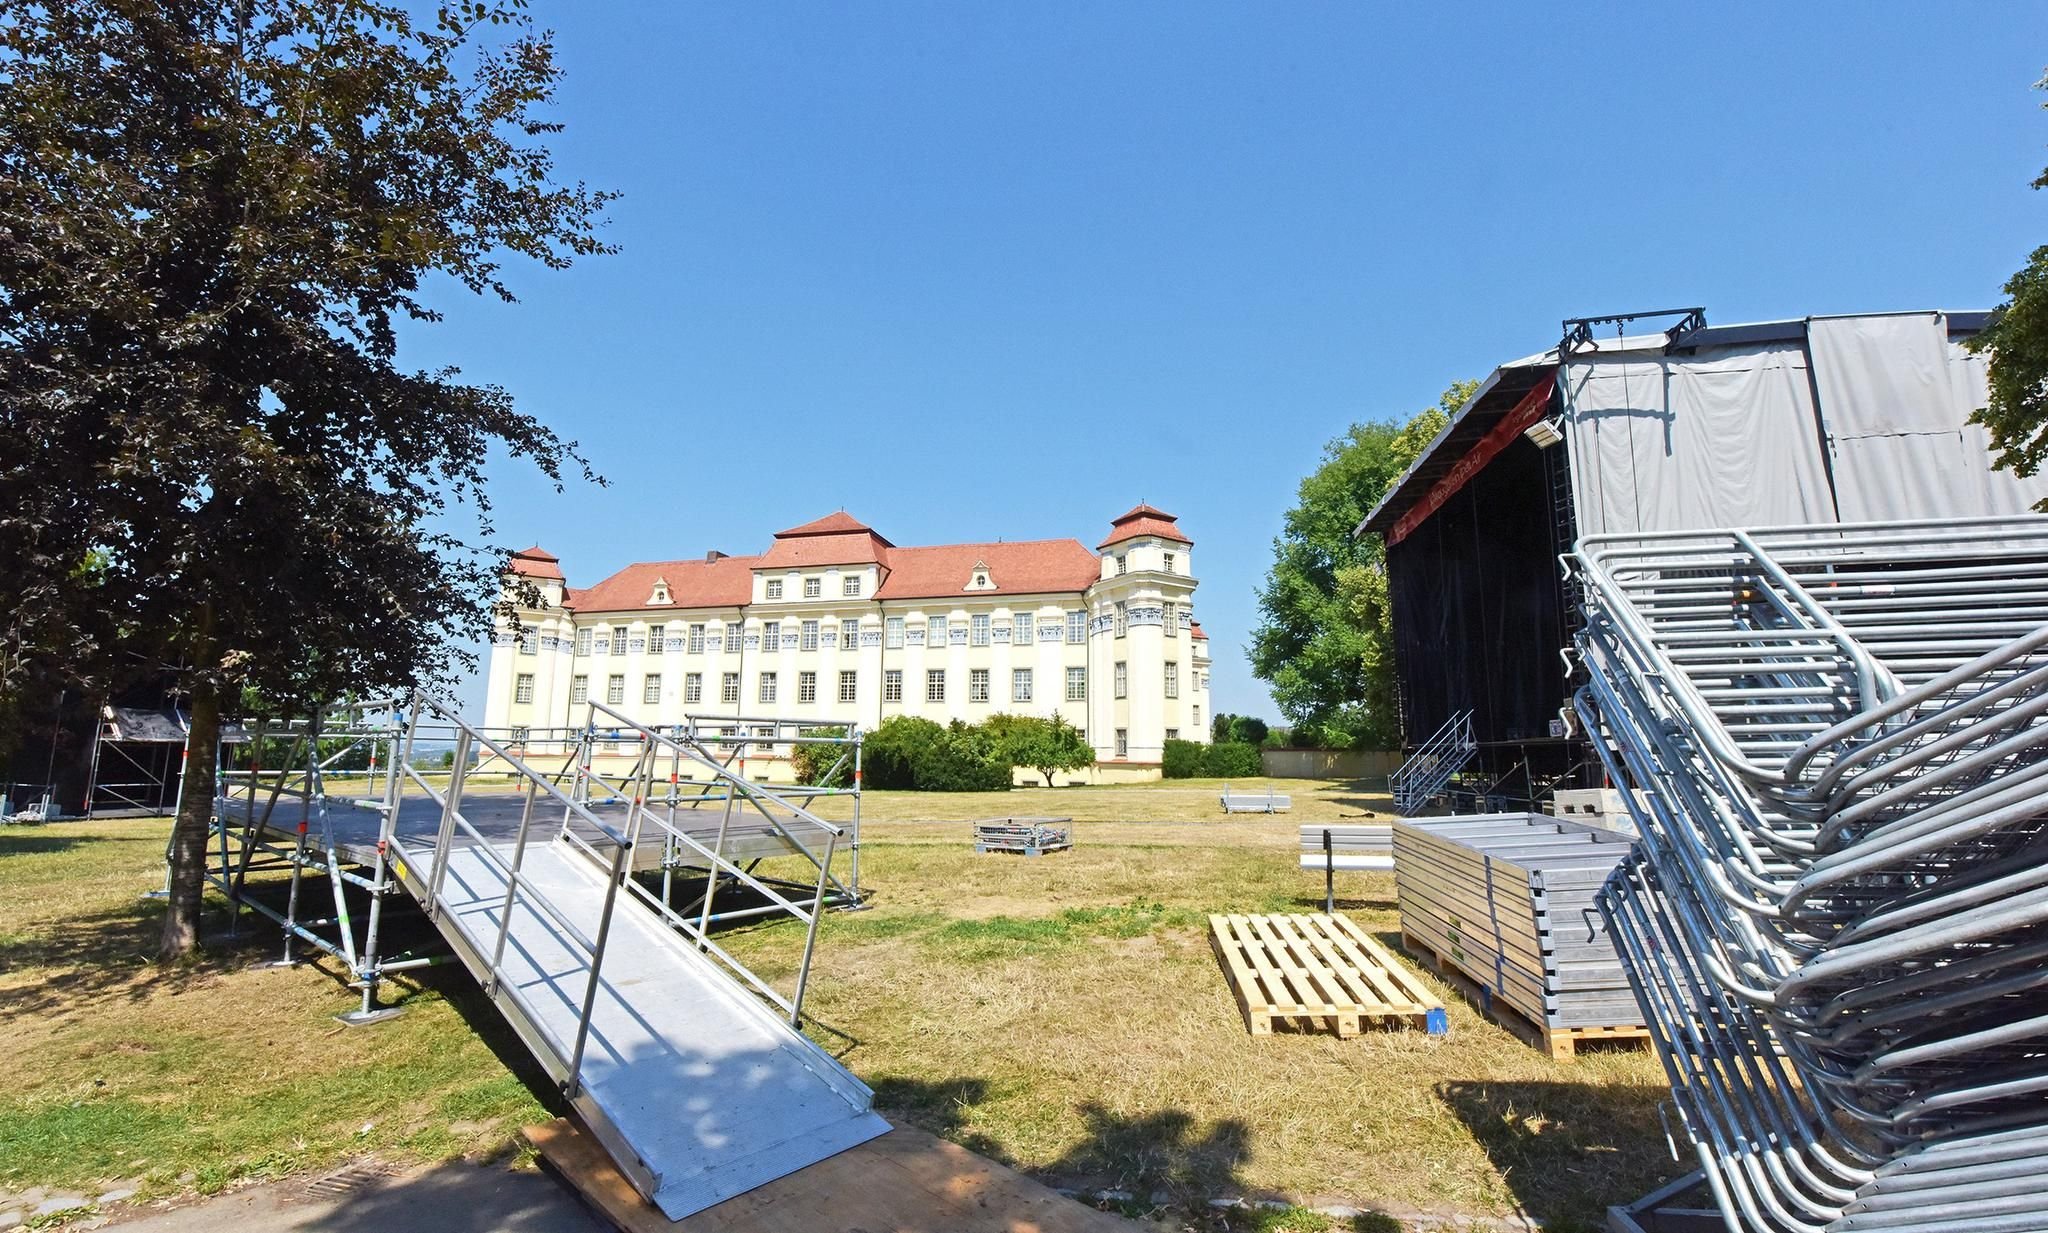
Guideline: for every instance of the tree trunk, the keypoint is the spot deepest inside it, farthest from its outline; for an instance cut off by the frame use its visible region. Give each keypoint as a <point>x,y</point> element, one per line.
<point>189,832</point>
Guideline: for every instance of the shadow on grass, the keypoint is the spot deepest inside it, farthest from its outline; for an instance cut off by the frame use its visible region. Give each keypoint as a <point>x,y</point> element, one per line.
<point>1142,1154</point>
<point>39,840</point>
<point>1566,1150</point>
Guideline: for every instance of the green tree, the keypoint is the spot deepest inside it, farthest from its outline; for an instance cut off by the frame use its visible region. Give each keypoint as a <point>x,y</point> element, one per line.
<point>2016,338</point>
<point>214,217</point>
<point>1047,746</point>
<point>1323,643</point>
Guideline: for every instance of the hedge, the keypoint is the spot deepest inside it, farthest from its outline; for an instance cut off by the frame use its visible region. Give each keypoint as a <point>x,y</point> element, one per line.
<point>1225,760</point>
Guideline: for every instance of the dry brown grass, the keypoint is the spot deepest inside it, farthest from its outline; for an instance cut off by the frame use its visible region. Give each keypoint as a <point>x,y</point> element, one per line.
<point>1062,1013</point>
<point>1065,1013</point>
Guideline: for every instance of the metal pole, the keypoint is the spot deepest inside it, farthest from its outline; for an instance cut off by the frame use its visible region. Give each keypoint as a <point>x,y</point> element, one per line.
<point>574,1083</point>
<point>1329,876</point>
<point>803,971</point>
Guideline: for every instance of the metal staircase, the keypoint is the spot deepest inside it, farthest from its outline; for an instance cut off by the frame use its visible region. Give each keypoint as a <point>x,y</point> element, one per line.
<point>1432,765</point>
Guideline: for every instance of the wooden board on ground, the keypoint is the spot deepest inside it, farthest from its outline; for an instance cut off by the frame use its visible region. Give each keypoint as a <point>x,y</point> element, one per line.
<point>906,1181</point>
<point>1561,1043</point>
<point>1318,970</point>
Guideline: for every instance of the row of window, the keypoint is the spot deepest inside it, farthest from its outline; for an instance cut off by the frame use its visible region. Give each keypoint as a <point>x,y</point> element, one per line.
<point>1123,563</point>
<point>814,588</point>
<point>1022,687</point>
<point>936,632</point>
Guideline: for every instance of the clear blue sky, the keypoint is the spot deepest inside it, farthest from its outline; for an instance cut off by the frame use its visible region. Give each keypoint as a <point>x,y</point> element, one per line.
<point>980,270</point>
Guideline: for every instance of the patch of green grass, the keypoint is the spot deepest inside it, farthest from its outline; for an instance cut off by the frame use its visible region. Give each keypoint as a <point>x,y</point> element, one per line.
<point>80,1137</point>
<point>1292,1220</point>
<point>1008,937</point>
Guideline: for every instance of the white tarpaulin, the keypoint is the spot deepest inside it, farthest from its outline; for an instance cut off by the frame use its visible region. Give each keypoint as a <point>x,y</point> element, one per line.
<point>1895,398</point>
<point>1724,437</point>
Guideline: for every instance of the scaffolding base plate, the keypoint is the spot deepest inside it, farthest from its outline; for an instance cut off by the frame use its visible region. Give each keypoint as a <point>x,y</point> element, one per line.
<point>363,1018</point>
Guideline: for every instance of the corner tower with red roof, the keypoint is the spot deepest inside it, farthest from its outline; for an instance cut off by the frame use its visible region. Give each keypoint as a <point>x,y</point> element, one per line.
<point>835,623</point>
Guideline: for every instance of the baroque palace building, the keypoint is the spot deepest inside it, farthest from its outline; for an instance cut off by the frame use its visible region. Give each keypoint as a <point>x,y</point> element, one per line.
<point>835,623</point>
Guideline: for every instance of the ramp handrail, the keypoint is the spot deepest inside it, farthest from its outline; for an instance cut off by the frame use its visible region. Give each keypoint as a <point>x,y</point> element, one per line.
<point>641,803</point>
<point>517,890</point>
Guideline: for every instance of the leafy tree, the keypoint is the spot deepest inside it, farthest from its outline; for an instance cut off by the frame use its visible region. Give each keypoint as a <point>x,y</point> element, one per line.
<point>1047,746</point>
<point>214,216</point>
<point>1323,643</point>
<point>2017,339</point>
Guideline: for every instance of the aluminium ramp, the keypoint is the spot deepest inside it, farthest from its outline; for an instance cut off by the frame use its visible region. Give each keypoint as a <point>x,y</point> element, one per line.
<point>697,1089</point>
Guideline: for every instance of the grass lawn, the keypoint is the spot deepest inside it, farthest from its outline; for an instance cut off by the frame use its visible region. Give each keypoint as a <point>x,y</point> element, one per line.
<point>1063,1014</point>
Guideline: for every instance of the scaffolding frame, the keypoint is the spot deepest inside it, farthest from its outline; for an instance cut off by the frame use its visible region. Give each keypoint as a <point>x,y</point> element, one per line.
<point>248,834</point>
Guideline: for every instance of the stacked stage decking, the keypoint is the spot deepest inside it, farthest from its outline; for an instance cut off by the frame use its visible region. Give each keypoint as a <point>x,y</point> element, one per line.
<point>1031,836</point>
<point>1322,969</point>
<point>1507,901</point>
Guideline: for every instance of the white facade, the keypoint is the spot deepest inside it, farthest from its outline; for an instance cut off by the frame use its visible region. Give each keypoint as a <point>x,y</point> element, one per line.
<point>837,624</point>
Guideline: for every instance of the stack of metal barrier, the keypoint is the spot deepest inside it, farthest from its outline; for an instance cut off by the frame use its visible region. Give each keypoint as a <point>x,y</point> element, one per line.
<point>1837,919</point>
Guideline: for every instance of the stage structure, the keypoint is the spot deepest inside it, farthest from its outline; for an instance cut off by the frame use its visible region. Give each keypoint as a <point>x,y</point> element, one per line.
<point>1648,422</point>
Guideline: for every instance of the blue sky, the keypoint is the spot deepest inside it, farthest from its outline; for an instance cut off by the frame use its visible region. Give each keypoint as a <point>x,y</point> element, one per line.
<point>976,271</point>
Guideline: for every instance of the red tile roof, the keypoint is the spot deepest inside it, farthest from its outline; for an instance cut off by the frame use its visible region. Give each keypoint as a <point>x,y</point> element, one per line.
<point>1026,567</point>
<point>1141,521</point>
<point>727,582</point>
<point>796,551</point>
<point>835,523</point>
<point>536,562</point>
<point>1196,632</point>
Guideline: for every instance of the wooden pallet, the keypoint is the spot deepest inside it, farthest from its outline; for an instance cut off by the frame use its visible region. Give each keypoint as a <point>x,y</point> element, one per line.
<point>1561,1043</point>
<point>1318,971</point>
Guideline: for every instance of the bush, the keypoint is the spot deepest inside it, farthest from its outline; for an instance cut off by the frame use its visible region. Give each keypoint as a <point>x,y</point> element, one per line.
<point>1184,760</point>
<point>914,753</point>
<point>1234,760</point>
<point>811,762</point>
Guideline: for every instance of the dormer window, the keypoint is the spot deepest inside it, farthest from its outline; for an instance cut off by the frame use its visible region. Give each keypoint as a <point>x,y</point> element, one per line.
<point>659,597</point>
<point>774,590</point>
<point>979,579</point>
<point>813,588</point>
<point>1123,564</point>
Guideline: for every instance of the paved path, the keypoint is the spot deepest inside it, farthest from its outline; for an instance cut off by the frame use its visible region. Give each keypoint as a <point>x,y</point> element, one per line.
<point>447,1198</point>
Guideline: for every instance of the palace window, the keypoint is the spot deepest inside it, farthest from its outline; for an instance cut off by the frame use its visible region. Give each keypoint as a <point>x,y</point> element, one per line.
<point>615,690</point>
<point>813,587</point>
<point>1173,734</point>
<point>892,685</point>
<point>1021,636</point>
<point>1123,564</point>
<point>1169,562</point>
<point>619,633</point>
<point>1123,742</point>
<point>849,586</point>
<point>729,687</point>
<point>773,589</point>
<point>1172,620</point>
<point>1077,684</point>
<point>693,688</point>
<point>892,633</point>
<point>1172,679</point>
<point>1020,684</point>
<point>849,635</point>
<point>935,632</point>
<point>771,635</point>
<point>1120,679</point>
<point>1077,627</point>
<point>583,641</point>
<point>767,692</point>
<point>977,685</point>
<point>733,630</point>
<point>579,690</point>
<point>848,687</point>
<point>657,639</point>
<point>807,687</point>
<point>528,640</point>
<point>935,685</point>
<point>810,634</point>
<point>696,639</point>
<point>978,629</point>
<point>522,687</point>
<point>1195,716</point>
<point>650,688</point>
<point>1123,618</point>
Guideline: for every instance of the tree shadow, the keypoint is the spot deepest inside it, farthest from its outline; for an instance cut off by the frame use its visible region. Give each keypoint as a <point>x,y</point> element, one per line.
<point>1567,1151</point>
<point>1165,1151</point>
<point>35,839</point>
